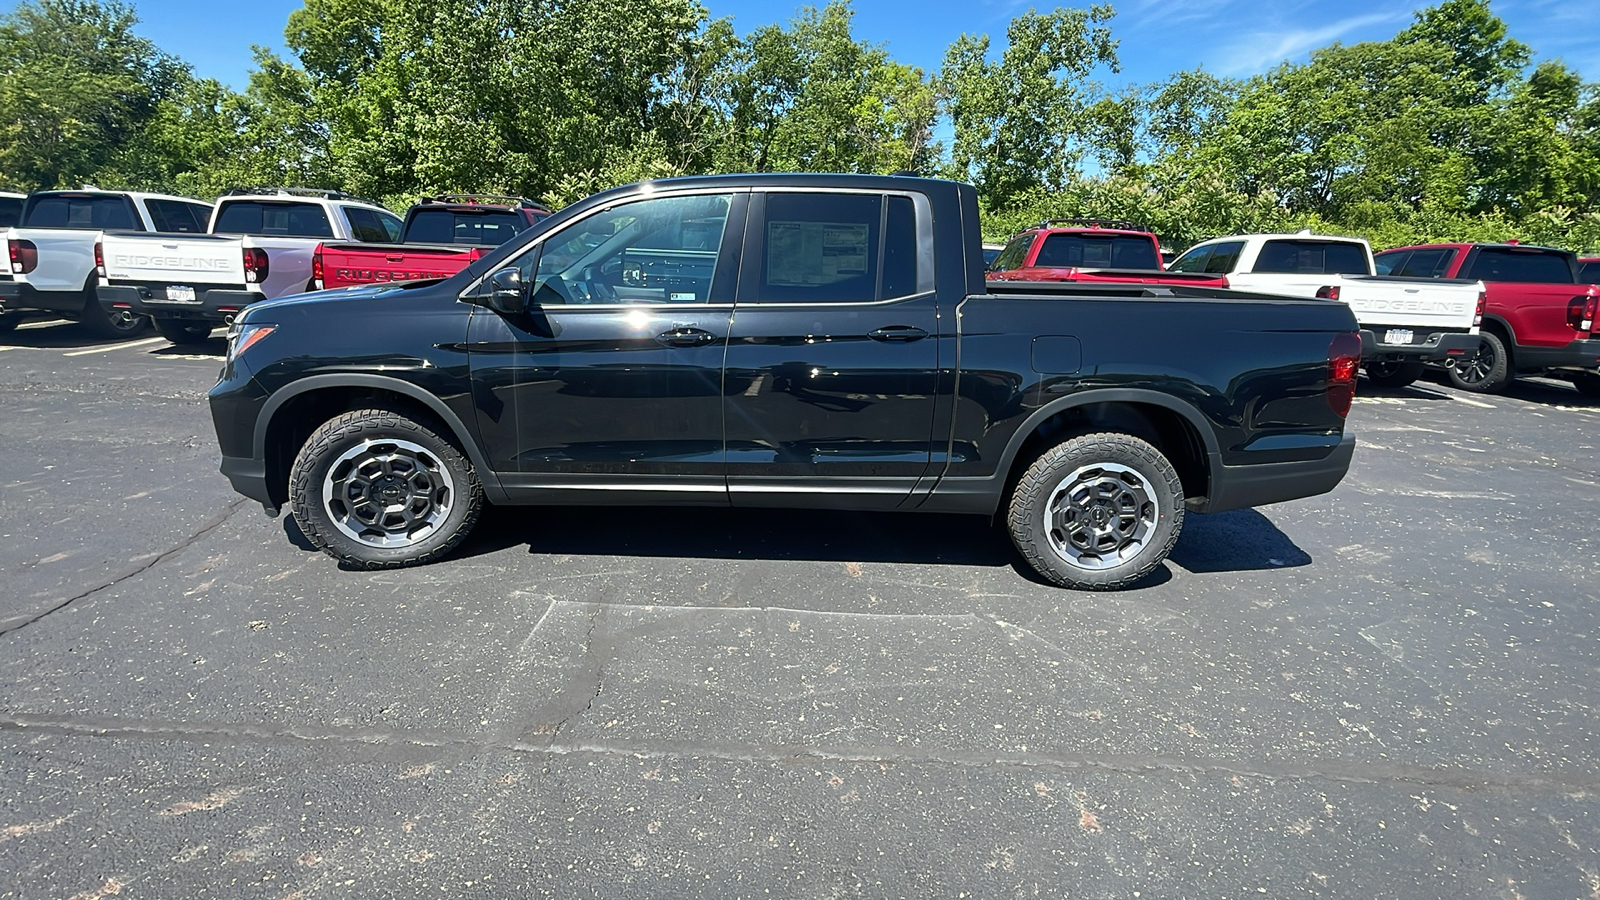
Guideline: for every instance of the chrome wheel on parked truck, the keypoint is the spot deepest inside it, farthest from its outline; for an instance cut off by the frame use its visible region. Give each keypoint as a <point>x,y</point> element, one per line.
<point>1099,511</point>
<point>376,489</point>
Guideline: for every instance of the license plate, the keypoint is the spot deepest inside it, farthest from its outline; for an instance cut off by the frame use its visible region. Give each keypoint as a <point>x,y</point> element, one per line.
<point>182,294</point>
<point>1397,336</point>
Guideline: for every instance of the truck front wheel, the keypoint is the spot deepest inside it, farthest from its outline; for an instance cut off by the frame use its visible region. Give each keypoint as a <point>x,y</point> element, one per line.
<point>1097,512</point>
<point>376,490</point>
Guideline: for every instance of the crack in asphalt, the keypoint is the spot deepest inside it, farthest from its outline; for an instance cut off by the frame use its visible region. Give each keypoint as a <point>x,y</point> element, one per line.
<point>213,524</point>
<point>1132,765</point>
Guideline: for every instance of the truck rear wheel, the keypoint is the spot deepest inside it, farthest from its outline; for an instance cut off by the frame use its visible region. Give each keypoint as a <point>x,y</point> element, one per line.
<point>1392,373</point>
<point>1587,383</point>
<point>180,332</point>
<point>1097,512</point>
<point>1486,372</point>
<point>376,490</point>
<point>113,324</point>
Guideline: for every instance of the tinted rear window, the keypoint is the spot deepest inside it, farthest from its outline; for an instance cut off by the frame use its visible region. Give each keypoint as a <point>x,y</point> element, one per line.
<point>274,219</point>
<point>108,211</point>
<point>445,226</point>
<point>1590,273</point>
<point>1312,258</point>
<point>10,211</point>
<point>1086,251</point>
<point>1521,266</point>
<point>177,217</point>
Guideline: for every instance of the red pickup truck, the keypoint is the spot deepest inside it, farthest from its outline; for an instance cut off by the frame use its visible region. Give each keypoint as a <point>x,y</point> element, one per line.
<point>1539,317</point>
<point>1090,250</point>
<point>441,236</point>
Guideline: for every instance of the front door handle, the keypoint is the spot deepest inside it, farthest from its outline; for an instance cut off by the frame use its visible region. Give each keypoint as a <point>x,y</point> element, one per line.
<point>902,333</point>
<point>686,337</point>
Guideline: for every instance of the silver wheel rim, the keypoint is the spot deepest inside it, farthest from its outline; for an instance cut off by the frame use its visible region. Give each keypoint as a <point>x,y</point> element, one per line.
<point>388,493</point>
<point>1101,516</point>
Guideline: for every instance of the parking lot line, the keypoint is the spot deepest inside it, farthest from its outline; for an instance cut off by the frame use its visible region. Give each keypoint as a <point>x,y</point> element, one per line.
<point>154,340</point>
<point>48,323</point>
<point>1470,402</point>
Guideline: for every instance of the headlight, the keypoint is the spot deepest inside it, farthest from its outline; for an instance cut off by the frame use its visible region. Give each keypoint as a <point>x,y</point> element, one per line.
<point>243,337</point>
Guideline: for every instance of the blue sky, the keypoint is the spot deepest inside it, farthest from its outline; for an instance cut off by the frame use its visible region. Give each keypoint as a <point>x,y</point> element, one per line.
<point>1158,37</point>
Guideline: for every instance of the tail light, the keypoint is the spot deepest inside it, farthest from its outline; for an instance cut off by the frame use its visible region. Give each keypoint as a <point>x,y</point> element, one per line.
<point>255,265</point>
<point>24,256</point>
<point>1483,304</point>
<point>1581,312</point>
<point>1344,358</point>
<point>316,268</point>
<point>1328,292</point>
<point>99,259</point>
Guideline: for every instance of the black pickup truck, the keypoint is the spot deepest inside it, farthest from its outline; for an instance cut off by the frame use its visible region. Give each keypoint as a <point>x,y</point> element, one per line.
<point>782,341</point>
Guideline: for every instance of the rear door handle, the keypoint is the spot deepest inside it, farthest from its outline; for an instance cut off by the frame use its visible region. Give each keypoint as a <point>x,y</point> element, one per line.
<point>903,333</point>
<point>686,337</point>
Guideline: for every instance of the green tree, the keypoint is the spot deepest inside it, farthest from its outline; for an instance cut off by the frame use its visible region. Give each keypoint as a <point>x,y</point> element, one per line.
<point>1020,122</point>
<point>76,84</point>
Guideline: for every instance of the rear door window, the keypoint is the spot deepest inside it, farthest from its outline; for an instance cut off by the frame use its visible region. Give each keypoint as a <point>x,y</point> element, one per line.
<point>1312,258</point>
<point>112,212</point>
<point>365,226</point>
<point>274,219</point>
<point>1192,261</point>
<point>1014,253</point>
<point>1223,258</point>
<point>837,248</point>
<point>1093,251</point>
<point>10,211</point>
<point>176,217</point>
<point>1589,273</point>
<point>1521,266</point>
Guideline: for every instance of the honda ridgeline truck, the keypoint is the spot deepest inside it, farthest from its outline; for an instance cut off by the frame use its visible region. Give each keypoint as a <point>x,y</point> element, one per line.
<point>258,246</point>
<point>782,341</point>
<point>1406,322</point>
<point>52,253</point>
<point>1539,316</point>
<point>1090,250</point>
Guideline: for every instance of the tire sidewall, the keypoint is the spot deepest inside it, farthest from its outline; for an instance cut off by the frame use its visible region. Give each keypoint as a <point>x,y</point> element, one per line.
<point>1499,374</point>
<point>329,442</point>
<point>1030,508</point>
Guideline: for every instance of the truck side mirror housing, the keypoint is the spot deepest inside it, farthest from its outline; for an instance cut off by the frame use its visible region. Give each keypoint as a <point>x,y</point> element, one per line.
<point>507,295</point>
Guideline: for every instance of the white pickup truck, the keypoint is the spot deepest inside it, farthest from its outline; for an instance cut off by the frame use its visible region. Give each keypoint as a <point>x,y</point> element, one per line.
<point>258,246</point>
<point>51,251</point>
<point>1405,322</point>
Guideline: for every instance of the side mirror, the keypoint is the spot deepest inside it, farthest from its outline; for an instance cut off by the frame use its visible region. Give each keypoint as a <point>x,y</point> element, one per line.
<point>507,294</point>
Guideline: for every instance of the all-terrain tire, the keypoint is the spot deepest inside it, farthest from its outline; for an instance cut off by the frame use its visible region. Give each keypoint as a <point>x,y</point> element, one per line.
<point>1486,372</point>
<point>1097,512</point>
<point>1393,374</point>
<point>179,331</point>
<point>362,476</point>
<point>115,324</point>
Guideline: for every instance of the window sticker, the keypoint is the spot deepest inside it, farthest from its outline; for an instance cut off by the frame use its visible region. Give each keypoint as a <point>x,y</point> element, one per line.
<point>803,253</point>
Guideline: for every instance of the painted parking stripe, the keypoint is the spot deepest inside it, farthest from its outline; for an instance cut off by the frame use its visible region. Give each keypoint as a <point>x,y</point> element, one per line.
<point>1470,402</point>
<point>48,323</point>
<point>129,344</point>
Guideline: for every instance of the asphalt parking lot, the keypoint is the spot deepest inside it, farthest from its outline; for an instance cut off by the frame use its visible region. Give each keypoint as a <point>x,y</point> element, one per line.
<point>1388,691</point>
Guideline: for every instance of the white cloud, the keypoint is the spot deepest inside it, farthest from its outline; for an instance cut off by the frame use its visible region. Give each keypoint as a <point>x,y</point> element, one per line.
<point>1260,50</point>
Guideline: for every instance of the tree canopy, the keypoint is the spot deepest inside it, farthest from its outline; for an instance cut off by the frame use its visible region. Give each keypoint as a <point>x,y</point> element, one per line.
<point>1446,130</point>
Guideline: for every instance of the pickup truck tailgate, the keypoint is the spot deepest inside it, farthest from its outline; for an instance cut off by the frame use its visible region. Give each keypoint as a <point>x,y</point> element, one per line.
<point>1419,303</point>
<point>348,264</point>
<point>199,259</point>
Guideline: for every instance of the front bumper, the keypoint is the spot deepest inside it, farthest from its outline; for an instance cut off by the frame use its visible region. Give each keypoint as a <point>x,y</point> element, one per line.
<point>1438,347</point>
<point>20,295</point>
<point>210,304</point>
<point>1583,354</point>
<point>1239,487</point>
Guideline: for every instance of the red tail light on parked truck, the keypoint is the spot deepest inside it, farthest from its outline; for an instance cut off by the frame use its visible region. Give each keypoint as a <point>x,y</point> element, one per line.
<point>255,265</point>
<point>1581,312</point>
<point>1344,358</point>
<point>24,256</point>
<point>316,269</point>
